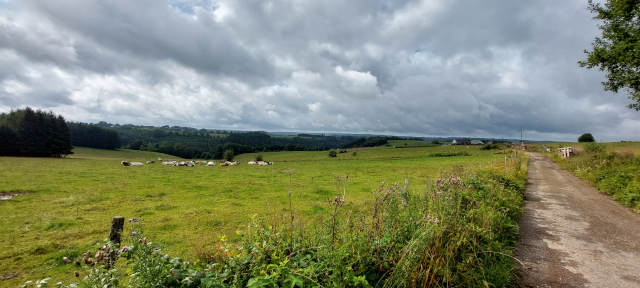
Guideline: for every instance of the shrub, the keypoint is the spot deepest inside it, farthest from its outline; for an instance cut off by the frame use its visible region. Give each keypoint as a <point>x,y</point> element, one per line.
<point>586,137</point>
<point>333,153</point>
<point>354,154</point>
<point>259,157</point>
<point>594,147</point>
<point>229,155</point>
<point>489,146</point>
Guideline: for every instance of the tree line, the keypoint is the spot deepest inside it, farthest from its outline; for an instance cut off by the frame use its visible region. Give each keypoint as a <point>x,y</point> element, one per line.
<point>93,136</point>
<point>26,132</point>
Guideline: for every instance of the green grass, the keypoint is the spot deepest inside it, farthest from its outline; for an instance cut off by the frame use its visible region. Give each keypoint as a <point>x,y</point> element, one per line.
<point>187,207</point>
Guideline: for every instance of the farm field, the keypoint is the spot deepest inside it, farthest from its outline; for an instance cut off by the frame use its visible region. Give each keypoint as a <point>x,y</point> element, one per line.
<point>71,200</point>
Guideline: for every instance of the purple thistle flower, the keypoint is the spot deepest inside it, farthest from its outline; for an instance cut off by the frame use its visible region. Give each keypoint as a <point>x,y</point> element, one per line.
<point>133,233</point>
<point>125,248</point>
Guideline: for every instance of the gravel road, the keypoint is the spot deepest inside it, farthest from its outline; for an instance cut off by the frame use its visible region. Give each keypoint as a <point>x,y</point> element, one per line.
<point>571,235</point>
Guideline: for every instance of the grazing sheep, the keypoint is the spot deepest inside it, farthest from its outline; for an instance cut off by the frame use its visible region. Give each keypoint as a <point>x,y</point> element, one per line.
<point>270,163</point>
<point>136,164</point>
<point>234,163</point>
<point>224,164</point>
<point>211,163</point>
<point>263,164</point>
<point>125,163</point>
<point>160,159</point>
<point>151,162</point>
<point>201,162</point>
<point>172,163</point>
<point>252,163</point>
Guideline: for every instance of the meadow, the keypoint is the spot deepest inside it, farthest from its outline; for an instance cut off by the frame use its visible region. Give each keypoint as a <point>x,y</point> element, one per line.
<point>70,201</point>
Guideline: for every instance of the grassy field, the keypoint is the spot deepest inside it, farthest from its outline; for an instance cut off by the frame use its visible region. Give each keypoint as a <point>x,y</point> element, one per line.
<point>71,200</point>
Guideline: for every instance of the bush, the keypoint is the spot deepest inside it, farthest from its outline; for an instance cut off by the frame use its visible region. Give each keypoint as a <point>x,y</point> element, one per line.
<point>333,153</point>
<point>489,146</point>
<point>594,147</point>
<point>586,137</point>
<point>354,154</point>
<point>259,157</point>
<point>229,155</point>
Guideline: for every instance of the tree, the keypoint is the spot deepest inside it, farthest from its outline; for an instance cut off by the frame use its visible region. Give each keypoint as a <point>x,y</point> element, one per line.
<point>228,155</point>
<point>586,137</point>
<point>135,145</point>
<point>617,52</point>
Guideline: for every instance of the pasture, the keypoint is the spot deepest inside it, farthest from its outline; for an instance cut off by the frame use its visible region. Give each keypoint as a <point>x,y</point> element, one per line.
<point>71,200</point>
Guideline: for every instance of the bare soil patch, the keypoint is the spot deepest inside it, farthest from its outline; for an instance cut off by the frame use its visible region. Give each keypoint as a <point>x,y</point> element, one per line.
<point>571,235</point>
<point>6,195</point>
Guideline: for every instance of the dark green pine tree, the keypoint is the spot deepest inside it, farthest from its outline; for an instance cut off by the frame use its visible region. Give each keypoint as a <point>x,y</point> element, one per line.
<point>8,141</point>
<point>63,141</point>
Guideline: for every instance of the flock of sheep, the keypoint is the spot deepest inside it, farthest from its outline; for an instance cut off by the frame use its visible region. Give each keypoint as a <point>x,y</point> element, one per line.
<point>193,163</point>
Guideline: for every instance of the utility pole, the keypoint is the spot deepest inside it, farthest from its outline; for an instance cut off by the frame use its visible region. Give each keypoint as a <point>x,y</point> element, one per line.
<point>521,134</point>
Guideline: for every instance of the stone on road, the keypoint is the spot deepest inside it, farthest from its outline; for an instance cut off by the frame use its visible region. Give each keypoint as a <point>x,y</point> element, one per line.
<point>571,235</point>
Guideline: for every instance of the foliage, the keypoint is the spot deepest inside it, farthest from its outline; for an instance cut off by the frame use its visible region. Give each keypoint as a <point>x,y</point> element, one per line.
<point>489,146</point>
<point>613,173</point>
<point>436,142</point>
<point>26,132</point>
<point>367,142</point>
<point>333,153</point>
<point>354,154</point>
<point>229,155</point>
<point>94,136</point>
<point>259,157</point>
<point>459,232</point>
<point>617,51</point>
<point>586,137</point>
<point>593,147</point>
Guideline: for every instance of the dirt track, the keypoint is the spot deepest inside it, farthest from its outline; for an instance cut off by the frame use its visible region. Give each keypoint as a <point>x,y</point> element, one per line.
<point>571,235</point>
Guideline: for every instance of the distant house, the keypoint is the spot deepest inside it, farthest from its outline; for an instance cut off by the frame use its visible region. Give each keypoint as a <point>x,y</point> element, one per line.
<point>477,142</point>
<point>463,141</point>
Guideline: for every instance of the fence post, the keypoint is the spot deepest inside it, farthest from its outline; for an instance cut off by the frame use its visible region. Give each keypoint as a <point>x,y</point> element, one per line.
<point>117,226</point>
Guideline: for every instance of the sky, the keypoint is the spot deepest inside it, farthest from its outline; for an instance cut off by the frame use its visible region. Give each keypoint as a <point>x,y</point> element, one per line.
<point>402,67</point>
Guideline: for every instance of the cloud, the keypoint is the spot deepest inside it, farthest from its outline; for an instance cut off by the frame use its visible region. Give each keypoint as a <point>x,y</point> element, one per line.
<point>409,67</point>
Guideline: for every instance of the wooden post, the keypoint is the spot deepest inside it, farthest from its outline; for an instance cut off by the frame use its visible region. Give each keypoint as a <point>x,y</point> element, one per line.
<point>117,226</point>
